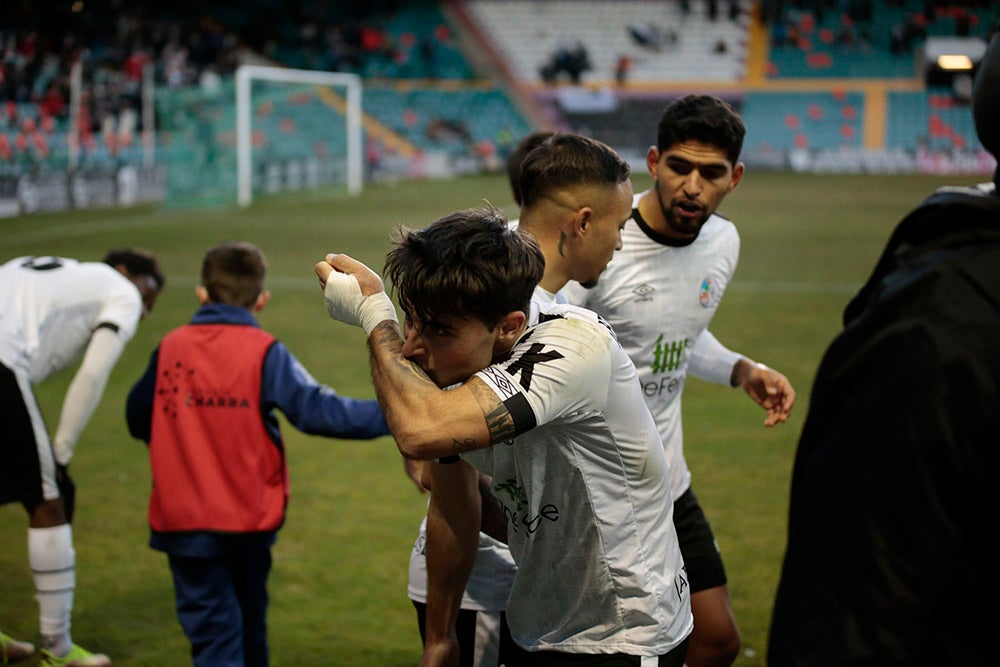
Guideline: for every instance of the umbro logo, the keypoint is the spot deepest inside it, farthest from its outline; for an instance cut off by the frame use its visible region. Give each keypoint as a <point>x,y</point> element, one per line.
<point>643,292</point>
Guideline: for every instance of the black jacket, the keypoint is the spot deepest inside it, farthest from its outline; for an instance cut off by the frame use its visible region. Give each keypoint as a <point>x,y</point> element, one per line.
<point>895,499</point>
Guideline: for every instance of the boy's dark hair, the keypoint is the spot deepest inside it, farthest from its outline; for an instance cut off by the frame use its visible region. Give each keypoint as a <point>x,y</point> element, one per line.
<point>467,264</point>
<point>516,157</point>
<point>701,118</point>
<point>137,263</point>
<point>565,160</point>
<point>233,273</point>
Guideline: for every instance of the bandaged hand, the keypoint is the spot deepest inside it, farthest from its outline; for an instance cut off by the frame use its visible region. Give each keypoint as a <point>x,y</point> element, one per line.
<point>343,294</point>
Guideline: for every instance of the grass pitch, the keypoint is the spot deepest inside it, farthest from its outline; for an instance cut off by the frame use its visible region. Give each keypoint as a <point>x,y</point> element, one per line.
<point>338,587</point>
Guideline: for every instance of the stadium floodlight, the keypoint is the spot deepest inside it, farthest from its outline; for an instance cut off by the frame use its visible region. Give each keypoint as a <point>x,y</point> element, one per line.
<point>247,74</point>
<point>954,62</point>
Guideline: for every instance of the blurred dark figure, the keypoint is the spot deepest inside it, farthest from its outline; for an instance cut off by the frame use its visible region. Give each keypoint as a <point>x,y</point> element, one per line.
<point>894,504</point>
<point>573,61</point>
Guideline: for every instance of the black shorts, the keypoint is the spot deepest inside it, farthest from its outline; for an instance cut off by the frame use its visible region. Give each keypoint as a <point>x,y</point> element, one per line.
<point>702,560</point>
<point>24,457</point>
<point>483,637</point>
<point>675,658</point>
<point>512,655</point>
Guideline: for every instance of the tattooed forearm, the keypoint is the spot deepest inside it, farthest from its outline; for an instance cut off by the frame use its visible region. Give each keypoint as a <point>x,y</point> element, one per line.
<point>386,348</point>
<point>499,421</point>
<point>425,421</point>
<point>459,446</point>
<point>386,334</point>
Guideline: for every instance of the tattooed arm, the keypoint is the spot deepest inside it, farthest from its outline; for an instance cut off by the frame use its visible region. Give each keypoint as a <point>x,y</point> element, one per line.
<point>426,421</point>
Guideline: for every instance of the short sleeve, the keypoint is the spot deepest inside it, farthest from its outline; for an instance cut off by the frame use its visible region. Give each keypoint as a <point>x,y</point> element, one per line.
<point>560,367</point>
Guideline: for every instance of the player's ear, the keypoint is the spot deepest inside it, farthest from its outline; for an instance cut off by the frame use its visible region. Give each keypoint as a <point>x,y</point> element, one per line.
<point>510,328</point>
<point>737,177</point>
<point>652,161</point>
<point>262,300</point>
<point>581,220</point>
<point>202,293</point>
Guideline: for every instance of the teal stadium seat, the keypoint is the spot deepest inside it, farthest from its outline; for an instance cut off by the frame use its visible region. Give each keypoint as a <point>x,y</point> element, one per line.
<point>834,45</point>
<point>930,119</point>
<point>485,114</point>
<point>807,120</point>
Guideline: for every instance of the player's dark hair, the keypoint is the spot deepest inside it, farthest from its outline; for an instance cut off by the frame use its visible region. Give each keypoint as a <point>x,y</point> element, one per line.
<point>516,157</point>
<point>566,160</point>
<point>467,264</point>
<point>233,273</point>
<point>137,263</point>
<point>702,118</point>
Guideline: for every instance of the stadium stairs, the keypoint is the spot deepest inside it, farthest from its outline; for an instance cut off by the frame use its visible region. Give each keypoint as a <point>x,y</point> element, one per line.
<point>839,84</point>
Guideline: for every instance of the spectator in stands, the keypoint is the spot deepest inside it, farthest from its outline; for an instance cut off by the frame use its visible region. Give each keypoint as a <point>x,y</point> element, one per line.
<point>623,66</point>
<point>373,158</point>
<point>448,130</point>
<point>54,102</point>
<point>650,36</point>
<point>891,556</point>
<point>734,10</point>
<point>678,255</point>
<point>571,60</point>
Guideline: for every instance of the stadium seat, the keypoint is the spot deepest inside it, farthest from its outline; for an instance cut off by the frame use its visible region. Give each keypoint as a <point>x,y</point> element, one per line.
<point>808,120</point>
<point>681,47</point>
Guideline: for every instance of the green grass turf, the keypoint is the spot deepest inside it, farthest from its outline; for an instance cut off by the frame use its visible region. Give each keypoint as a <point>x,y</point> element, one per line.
<point>339,581</point>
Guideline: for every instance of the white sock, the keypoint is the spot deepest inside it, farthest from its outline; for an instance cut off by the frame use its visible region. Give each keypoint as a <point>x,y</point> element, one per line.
<point>53,565</point>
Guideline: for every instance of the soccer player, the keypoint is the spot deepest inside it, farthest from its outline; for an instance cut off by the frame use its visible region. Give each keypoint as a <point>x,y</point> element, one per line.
<point>552,413</point>
<point>206,407</point>
<point>659,294</point>
<point>891,556</point>
<point>577,188</point>
<point>52,311</point>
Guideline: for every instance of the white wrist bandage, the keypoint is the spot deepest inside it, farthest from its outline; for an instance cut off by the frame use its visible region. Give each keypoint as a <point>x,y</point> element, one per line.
<point>345,303</point>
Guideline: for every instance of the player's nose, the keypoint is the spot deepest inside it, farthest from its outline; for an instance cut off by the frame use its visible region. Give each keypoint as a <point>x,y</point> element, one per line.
<point>692,183</point>
<point>413,343</point>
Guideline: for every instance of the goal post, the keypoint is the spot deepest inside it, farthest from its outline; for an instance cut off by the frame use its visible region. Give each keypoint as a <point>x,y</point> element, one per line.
<point>245,77</point>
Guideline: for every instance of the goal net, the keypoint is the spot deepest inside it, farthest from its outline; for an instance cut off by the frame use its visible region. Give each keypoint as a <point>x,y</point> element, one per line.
<point>267,130</point>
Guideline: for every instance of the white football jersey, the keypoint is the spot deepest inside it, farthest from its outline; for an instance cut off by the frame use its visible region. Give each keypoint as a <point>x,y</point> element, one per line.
<point>659,299</point>
<point>586,490</point>
<point>492,576</point>
<point>490,581</point>
<point>50,306</point>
